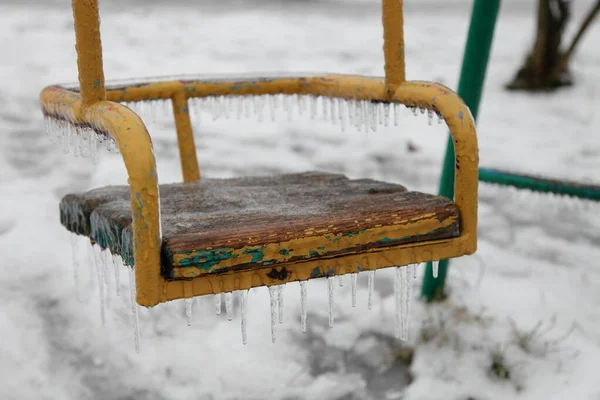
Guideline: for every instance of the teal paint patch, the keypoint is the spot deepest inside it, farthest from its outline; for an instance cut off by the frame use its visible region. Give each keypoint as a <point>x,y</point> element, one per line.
<point>97,84</point>
<point>315,273</point>
<point>333,238</point>
<point>284,252</point>
<point>206,259</point>
<point>313,253</point>
<point>349,234</point>
<point>321,248</point>
<point>257,254</point>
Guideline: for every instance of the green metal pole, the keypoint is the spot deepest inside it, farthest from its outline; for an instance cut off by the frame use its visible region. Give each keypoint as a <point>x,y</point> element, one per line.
<point>472,76</point>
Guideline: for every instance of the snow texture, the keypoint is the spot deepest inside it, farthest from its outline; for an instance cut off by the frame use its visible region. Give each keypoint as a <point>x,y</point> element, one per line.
<point>523,316</point>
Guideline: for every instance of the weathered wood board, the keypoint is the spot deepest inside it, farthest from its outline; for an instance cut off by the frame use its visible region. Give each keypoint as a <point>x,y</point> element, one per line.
<point>216,226</point>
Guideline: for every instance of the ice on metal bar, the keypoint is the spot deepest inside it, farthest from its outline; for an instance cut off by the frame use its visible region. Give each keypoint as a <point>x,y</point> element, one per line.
<point>217,300</point>
<point>397,301</point>
<point>100,282</point>
<point>229,305</point>
<point>411,276</point>
<point>303,306</point>
<point>117,263</point>
<point>405,285</point>
<point>273,304</point>
<point>354,282</point>
<point>280,302</point>
<point>243,312</point>
<point>340,280</point>
<point>371,285</point>
<point>330,286</point>
<point>75,251</point>
<point>436,266</point>
<point>189,302</point>
<point>134,310</point>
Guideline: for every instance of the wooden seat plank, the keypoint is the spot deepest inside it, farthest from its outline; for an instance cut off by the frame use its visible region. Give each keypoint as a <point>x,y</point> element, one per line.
<point>216,226</point>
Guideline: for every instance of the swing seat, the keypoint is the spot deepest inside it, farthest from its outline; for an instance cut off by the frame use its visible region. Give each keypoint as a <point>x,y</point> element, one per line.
<point>221,226</point>
<point>206,236</point>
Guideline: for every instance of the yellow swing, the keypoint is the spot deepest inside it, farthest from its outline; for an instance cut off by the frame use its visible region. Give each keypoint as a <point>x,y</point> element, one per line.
<point>208,236</point>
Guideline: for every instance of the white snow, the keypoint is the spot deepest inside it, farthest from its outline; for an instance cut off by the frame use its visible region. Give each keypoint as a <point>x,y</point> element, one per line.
<point>528,302</point>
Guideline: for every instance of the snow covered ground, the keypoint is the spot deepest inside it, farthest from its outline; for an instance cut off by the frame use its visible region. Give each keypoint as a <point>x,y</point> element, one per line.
<point>523,317</point>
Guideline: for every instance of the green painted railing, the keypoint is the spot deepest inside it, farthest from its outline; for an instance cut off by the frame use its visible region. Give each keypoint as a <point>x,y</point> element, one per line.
<point>540,184</point>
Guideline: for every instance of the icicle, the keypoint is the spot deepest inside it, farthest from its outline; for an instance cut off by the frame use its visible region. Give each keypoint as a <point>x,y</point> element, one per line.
<point>247,102</point>
<point>94,146</point>
<point>396,114</point>
<point>303,306</point>
<point>227,106</point>
<point>436,265</point>
<point>76,264</point>
<point>188,309</point>
<point>397,301</point>
<point>91,262</point>
<point>117,262</point>
<point>273,301</point>
<point>357,115</point>
<point>414,110</point>
<point>373,115</point>
<point>272,106</point>
<point>330,297</point>
<point>75,141</point>
<point>64,139</point>
<point>243,307</point>
<point>100,280</point>
<point>354,281</point>
<point>229,305</point>
<point>325,102</point>
<point>414,271</point>
<point>313,107</point>
<point>341,280</point>
<point>409,285</point>
<point>404,312</point>
<point>134,310</point>
<point>106,259</point>
<point>258,107</point>
<point>218,303</point>
<point>351,108</point>
<point>430,114</point>
<point>386,114</point>
<point>239,107</point>
<point>332,103</point>
<point>440,118</point>
<point>371,285</point>
<point>280,302</point>
<point>422,110</point>
<point>301,104</point>
<point>342,113</point>
<point>288,107</point>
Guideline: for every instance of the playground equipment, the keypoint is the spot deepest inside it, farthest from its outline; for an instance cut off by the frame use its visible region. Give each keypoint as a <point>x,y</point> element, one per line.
<point>209,236</point>
<point>472,76</point>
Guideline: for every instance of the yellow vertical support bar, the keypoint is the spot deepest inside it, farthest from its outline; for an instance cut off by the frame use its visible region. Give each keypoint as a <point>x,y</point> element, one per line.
<point>393,44</point>
<point>185,138</point>
<point>89,51</point>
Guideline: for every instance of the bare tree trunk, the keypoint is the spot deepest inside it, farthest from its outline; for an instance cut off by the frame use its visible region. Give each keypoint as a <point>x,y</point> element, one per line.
<point>547,67</point>
<point>538,72</point>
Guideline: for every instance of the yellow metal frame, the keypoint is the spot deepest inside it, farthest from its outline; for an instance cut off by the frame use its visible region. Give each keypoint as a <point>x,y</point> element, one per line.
<point>94,106</point>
